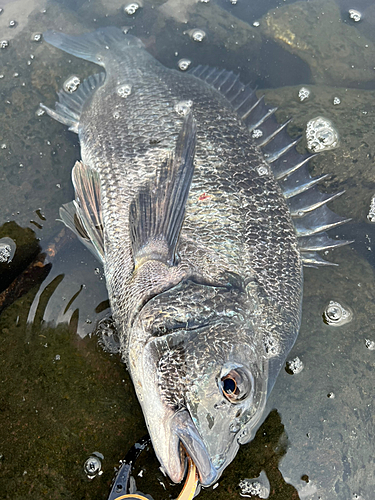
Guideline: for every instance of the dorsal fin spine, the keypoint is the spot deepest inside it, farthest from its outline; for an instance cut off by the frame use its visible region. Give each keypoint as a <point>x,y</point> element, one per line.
<point>294,179</point>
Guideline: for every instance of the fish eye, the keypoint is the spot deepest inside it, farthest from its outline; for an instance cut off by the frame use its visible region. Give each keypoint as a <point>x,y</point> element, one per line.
<point>236,385</point>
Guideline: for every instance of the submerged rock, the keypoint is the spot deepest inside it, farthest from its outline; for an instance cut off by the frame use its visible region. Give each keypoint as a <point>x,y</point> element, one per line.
<point>314,31</point>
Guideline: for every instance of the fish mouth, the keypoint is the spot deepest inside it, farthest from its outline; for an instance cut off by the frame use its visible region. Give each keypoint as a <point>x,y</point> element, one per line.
<point>173,432</point>
<point>191,442</point>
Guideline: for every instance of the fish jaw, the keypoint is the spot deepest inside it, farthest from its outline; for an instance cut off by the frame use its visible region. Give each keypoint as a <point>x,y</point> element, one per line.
<point>202,424</point>
<point>172,432</point>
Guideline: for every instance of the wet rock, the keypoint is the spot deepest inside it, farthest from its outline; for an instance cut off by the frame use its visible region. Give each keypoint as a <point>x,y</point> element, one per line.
<point>22,251</point>
<point>314,31</point>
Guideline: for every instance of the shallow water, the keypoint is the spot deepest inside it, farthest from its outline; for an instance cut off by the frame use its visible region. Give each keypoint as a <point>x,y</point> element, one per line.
<point>61,396</point>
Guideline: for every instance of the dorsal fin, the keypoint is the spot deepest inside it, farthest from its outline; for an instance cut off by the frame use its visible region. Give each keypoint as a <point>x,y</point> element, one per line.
<point>307,205</point>
<point>69,107</point>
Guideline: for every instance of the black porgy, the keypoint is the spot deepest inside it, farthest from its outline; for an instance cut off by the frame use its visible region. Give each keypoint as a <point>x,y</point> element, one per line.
<point>203,214</point>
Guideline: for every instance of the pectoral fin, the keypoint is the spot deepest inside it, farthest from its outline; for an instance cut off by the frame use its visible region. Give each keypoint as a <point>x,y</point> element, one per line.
<point>156,214</point>
<point>84,215</point>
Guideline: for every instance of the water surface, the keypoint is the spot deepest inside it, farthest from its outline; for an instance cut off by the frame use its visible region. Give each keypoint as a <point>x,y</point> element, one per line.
<point>61,396</point>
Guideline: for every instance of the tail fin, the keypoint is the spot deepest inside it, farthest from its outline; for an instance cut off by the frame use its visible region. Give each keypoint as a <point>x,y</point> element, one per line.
<point>96,47</point>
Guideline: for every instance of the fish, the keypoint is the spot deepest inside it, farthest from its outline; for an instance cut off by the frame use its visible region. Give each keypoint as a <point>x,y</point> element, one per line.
<point>203,214</point>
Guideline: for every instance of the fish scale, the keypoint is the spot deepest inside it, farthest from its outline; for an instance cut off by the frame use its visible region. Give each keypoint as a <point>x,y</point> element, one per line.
<point>176,193</point>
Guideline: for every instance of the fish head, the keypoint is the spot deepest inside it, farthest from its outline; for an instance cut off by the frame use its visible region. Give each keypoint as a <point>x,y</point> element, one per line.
<point>202,386</point>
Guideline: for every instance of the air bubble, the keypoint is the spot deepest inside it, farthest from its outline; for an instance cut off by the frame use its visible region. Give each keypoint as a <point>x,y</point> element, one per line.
<point>321,135</point>
<point>71,84</point>
<point>1,10</point>
<point>294,366</point>
<point>355,15</point>
<point>371,214</point>
<point>4,44</point>
<point>259,487</point>
<point>233,2</point>
<point>256,24</point>
<point>336,101</point>
<point>116,115</point>
<point>36,37</point>
<point>93,465</point>
<point>331,395</point>
<point>197,35</point>
<point>40,112</point>
<point>7,250</point>
<point>257,133</point>
<point>336,315</point>
<point>370,344</point>
<point>124,90</point>
<point>182,108</point>
<point>262,170</point>
<point>132,8</point>
<point>303,94</point>
<point>184,64</point>
<point>12,23</point>
<point>203,1</point>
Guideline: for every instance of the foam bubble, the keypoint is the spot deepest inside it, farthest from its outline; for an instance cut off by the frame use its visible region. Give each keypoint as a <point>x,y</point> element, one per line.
<point>321,135</point>
<point>36,37</point>
<point>371,213</point>
<point>303,94</point>
<point>93,466</point>
<point>184,64</point>
<point>336,315</point>
<point>182,108</point>
<point>370,344</point>
<point>132,8</point>
<point>197,35</point>
<point>124,90</point>
<point>355,15</point>
<point>294,366</point>
<point>7,250</point>
<point>255,487</point>
<point>257,133</point>
<point>71,84</point>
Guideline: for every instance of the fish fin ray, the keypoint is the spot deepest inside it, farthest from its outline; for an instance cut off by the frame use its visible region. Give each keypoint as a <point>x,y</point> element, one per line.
<point>88,204</point>
<point>157,212</point>
<point>307,205</point>
<point>309,200</point>
<point>69,107</point>
<point>93,47</point>
<point>319,242</point>
<point>318,220</point>
<point>71,219</point>
<point>313,259</point>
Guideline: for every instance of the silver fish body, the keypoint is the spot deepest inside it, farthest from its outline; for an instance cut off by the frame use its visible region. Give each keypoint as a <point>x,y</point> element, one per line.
<point>204,333</point>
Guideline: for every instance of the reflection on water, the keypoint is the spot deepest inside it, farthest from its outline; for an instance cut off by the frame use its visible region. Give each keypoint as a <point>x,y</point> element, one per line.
<point>62,397</point>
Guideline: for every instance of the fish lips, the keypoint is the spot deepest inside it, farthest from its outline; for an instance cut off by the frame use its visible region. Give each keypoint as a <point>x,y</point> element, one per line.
<point>183,427</point>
